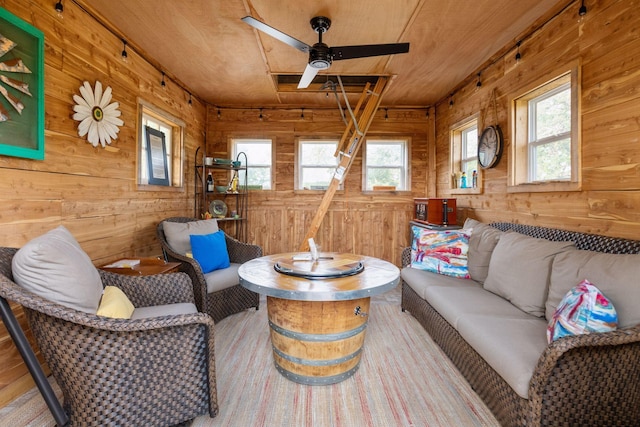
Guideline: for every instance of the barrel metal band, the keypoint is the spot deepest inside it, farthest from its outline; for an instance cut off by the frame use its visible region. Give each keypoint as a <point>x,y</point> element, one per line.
<point>304,379</point>
<point>317,337</point>
<point>310,362</point>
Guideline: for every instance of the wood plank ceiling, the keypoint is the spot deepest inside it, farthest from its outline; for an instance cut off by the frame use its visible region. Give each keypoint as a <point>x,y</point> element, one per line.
<point>222,60</point>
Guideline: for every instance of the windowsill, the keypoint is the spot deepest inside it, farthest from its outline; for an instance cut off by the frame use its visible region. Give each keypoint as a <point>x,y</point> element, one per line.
<point>147,187</point>
<point>476,190</point>
<point>544,187</point>
<point>398,192</point>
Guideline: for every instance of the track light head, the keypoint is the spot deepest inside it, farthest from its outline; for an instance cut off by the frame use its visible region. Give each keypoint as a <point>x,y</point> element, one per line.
<point>59,7</point>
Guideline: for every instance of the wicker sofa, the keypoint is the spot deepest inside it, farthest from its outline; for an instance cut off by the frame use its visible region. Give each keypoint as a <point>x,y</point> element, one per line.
<point>591,379</point>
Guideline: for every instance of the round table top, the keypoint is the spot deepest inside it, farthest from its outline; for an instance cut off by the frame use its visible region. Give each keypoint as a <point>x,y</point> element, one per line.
<point>378,276</point>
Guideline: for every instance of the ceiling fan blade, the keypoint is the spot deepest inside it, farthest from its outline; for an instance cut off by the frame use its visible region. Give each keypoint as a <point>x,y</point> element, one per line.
<point>307,77</point>
<point>366,50</point>
<point>259,25</point>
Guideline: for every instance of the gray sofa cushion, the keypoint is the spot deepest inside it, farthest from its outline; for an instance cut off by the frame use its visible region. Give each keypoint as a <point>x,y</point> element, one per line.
<point>420,280</point>
<point>164,310</point>
<point>218,280</point>
<point>55,267</point>
<point>511,345</point>
<point>519,270</point>
<point>616,276</point>
<point>454,303</point>
<point>177,233</point>
<point>482,243</point>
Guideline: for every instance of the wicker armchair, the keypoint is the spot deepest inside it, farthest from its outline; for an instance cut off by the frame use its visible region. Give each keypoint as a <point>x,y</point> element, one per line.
<point>225,302</point>
<point>155,372</point>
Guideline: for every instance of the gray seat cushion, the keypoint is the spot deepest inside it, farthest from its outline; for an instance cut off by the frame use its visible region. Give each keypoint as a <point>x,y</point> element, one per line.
<point>164,310</point>
<point>420,280</point>
<point>453,303</point>
<point>224,278</point>
<point>511,345</point>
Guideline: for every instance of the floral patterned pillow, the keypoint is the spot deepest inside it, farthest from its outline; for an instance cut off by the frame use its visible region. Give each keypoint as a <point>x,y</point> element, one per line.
<point>584,309</point>
<point>442,252</point>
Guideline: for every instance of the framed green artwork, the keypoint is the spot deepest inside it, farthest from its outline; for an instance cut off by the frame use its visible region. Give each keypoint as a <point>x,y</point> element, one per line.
<point>21,88</point>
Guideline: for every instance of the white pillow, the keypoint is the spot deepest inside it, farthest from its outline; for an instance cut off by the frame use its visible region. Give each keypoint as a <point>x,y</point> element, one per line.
<point>55,267</point>
<point>177,233</point>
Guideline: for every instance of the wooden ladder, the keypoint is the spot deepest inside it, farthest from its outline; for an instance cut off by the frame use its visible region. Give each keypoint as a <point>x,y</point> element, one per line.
<point>348,149</point>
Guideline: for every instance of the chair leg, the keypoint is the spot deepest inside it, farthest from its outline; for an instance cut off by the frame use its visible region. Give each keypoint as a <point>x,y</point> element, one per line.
<point>32,363</point>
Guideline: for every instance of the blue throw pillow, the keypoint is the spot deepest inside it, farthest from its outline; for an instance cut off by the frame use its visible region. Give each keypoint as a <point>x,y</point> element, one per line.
<point>210,250</point>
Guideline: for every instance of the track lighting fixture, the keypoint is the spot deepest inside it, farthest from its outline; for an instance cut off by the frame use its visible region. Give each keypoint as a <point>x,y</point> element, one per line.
<point>163,83</point>
<point>124,50</point>
<point>190,100</point>
<point>219,115</point>
<point>260,116</point>
<point>518,56</point>
<point>302,113</point>
<point>386,114</point>
<point>451,101</point>
<point>59,8</point>
<point>583,9</point>
<point>479,82</point>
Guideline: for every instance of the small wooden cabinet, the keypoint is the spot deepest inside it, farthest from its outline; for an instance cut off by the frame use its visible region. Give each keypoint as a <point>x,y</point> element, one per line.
<point>439,212</point>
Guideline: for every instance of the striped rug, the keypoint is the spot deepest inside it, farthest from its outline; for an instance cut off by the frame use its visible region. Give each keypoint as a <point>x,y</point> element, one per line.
<point>404,380</point>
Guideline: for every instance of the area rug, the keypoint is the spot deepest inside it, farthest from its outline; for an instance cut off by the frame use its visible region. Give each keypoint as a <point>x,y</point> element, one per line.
<point>404,379</point>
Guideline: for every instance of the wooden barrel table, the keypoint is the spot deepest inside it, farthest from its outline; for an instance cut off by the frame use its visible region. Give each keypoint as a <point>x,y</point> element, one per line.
<point>318,310</point>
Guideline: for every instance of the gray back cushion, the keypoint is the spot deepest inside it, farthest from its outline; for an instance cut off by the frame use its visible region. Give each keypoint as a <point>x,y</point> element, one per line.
<point>519,270</point>
<point>482,242</point>
<point>55,267</point>
<point>177,233</point>
<point>615,275</point>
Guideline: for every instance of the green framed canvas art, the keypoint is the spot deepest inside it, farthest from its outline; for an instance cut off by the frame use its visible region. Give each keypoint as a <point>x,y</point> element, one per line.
<point>21,88</point>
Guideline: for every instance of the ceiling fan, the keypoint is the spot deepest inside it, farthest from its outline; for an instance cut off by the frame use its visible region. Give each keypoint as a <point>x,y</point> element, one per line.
<point>321,55</point>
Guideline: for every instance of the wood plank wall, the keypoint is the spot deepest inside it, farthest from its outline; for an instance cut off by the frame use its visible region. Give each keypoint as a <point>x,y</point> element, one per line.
<point>371,223</point>
<point>91,191</point>
<point>607,44</point>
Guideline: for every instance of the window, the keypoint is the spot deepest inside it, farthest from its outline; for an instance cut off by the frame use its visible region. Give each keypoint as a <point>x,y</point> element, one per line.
<point>316,164</point>
<point>464,156</point>
<point>550,135</point>
<point>166,147</point>
<point>259,161</point>
<point>545,124</point>
<point>386,165</point>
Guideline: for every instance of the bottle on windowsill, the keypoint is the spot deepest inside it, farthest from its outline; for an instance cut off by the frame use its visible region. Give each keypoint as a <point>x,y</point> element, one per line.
<point>209,183</point>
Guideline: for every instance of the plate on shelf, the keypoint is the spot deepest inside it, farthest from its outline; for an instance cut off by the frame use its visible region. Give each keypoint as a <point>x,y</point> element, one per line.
<point>218,208</point>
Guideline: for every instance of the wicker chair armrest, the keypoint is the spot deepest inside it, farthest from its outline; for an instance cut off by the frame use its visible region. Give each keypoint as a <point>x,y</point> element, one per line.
<point>406,256</point>
<point>159,289</point>
<point>562,363</point>
<point>13,292</point>
<point>193,270</point>
<point>241,252</point>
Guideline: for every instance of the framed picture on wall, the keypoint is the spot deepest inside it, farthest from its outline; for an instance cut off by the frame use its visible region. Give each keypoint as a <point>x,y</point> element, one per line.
<point>156,157</point>
<point>21,88</point>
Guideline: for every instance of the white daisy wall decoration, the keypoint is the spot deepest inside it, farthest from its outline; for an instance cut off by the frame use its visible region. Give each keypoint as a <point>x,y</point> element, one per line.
<point>98,119</point>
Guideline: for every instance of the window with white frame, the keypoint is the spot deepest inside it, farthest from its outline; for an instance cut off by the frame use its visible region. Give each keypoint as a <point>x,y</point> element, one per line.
<point>469,159</point>
<point>547,144</point>
<point>464,154</point>
<point>259,156</point>
<point>166,150</point>
<point>386,164</point>
<point>316,163</point>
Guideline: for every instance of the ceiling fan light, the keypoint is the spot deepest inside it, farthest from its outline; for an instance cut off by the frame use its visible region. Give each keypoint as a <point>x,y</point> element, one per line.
<point>320,64</point>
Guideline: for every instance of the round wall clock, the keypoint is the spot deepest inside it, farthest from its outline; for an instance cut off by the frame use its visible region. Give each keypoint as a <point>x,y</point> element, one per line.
<point>490,147</point>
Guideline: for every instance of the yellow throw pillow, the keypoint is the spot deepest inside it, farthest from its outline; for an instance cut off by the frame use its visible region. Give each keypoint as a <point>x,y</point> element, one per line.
<point>115,304</point>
